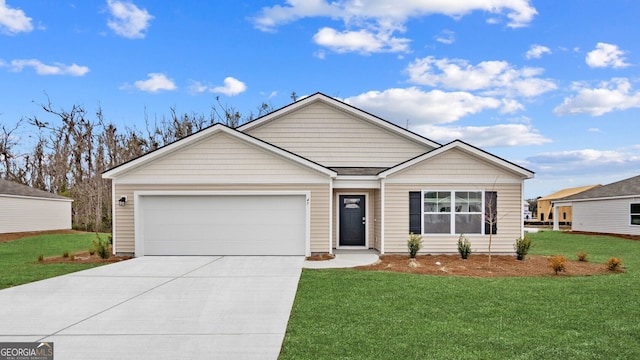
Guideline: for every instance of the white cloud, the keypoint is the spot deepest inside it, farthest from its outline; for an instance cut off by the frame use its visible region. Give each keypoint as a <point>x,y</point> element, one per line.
<point>127,19</point>
<point>502,135</point>
<point>362,41</point>
<point>197,87</point>
<point>594,130</point>
<point>13,21</point>
<point>372,23</point>
<point>585,161</point>
<point>510,106</point>
<point>156,82</point>
<point>612,95</point>
<point>447,37</point>
<point>420,107</point>
<point>231,87</point>
<point>44,69</point>
<point>519,12</point>
<point>606,55</point>
<point>536,51</point>
<point>493,77</point>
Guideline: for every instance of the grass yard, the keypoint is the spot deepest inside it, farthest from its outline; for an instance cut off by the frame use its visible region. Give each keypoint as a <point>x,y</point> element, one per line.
<point>351,314</point>
<point>19,258</point>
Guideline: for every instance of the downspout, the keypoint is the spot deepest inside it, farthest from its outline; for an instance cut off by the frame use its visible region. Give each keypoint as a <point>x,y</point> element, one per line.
<point>331,215</point>
<point>382,211</point>
<point>556,222</point>
<point>521,210</point>
<point>113,217</point>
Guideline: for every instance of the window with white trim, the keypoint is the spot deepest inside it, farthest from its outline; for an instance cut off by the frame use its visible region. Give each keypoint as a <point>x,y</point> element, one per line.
<point>634,212</point>
<point>453,212</point>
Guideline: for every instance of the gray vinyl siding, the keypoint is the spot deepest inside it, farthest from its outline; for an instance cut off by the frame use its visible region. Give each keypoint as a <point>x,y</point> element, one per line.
<point>604,216</point>
<point>124,234</point>
<point>22,214</point>
<point>334,138</point>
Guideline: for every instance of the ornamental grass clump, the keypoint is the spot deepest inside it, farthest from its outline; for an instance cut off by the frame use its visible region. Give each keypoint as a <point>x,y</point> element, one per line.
<point>582,256</point>
<point>614,264</point>
<point>102,247</point>
<point>521,247</point>
<point>414,244</point>
<point>464,246</point>
<point>557,263</point>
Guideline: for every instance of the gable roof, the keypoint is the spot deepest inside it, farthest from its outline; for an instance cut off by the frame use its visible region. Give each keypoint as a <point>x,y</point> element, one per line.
<point>320,97</point>
<point>14,189</point>
<point>622,188</point>
<point>461,145</point>
<point>207,132</point>
<point>567,192</point>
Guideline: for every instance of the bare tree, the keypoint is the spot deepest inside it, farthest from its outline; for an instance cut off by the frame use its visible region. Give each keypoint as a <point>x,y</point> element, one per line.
<point>490,216</point>
<point>8,141</point>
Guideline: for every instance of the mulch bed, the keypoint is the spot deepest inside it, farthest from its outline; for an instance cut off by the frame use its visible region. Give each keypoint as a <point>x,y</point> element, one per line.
<point>320,257</point>
<point>478,266</point>
<point>82,258</point>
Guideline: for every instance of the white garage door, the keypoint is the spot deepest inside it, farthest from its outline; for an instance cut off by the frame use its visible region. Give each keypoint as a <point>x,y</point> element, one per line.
<point>223,224</point>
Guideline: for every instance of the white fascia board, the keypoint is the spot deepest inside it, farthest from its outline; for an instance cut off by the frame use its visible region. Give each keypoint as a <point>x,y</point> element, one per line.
<point>34,198</point>
<point>114,173</point>
<point>568,202</point>
<point>204,181</point>
<point>525,174</point>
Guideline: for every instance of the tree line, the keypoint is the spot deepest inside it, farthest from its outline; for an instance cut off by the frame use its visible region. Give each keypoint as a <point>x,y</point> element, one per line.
<point>73,147</point>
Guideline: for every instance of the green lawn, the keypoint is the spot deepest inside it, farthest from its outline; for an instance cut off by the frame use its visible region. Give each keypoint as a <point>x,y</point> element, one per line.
<point>349,314</point>
<point>19,258</point>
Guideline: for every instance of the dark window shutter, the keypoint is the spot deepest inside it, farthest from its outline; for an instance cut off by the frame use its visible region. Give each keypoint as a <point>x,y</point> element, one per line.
<point>415,212</point>
<point>490,212</point>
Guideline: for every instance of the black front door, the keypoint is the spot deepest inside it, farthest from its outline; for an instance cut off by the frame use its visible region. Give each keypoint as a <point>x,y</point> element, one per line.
<point>352,220</point>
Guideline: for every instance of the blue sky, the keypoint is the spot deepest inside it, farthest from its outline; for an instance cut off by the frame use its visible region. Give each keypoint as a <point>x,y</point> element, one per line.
<point>553,86</point>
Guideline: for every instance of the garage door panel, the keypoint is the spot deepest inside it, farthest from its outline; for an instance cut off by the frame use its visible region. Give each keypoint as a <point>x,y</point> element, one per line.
<point>224,225</point>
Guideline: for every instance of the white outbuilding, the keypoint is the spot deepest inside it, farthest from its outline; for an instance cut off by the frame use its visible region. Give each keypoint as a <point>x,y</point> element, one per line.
<point>23,209</point>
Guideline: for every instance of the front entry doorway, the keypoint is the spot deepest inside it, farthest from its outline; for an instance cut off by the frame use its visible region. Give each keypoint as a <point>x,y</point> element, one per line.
<point>352,220</point>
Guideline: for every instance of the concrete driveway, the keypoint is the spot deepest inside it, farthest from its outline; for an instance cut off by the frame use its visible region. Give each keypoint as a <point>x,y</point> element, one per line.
<point>164,307</point>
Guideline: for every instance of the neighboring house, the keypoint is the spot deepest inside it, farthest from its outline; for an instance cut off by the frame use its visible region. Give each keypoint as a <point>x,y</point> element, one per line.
<point>23,208</point>
<point>526,212</point>
<point>308,178</point>
<point>545,208</point>
<point>608,209</point>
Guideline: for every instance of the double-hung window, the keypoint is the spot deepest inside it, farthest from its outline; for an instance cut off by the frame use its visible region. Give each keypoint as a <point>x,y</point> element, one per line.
<point>634,211</point>
<point>455,212</point>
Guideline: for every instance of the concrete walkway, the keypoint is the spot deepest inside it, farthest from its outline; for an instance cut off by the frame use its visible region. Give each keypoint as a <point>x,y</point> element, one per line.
<point>189,307</point>
<point>344,260</point>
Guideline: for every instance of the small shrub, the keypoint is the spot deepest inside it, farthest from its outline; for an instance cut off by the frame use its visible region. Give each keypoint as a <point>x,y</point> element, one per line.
<point>521,247</point>
<point>102,247</point>
<point>40,258</point>
<point>92,252</point>
<point>582,256</point>
<point>464,246</point>
<point>614,264</point>
<point>72,257</point>
<point>414,244</point>
<point>557,263</point>
<point>65,254</point>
